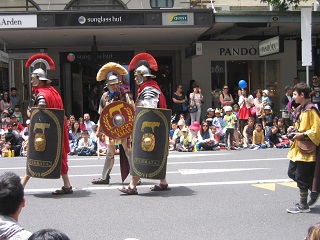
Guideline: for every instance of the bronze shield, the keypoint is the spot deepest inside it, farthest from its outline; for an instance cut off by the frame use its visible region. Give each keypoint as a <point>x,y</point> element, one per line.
<point>45,143</point>
<point>150,142</point>
<point>116,120</point>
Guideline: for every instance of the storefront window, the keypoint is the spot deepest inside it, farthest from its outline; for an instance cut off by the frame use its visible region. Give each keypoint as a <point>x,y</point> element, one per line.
<point>161,3</point>
<point>21,77</point>
<point>258,75</point>
<point>95,5</point>
<point>272,81</point>
<point>4,79</point>
<point>18,5</point>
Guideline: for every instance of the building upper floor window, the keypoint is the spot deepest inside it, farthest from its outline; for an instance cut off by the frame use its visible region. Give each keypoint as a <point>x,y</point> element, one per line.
<point>95,5</point>
<point>18,5</point>
<point>161,3</point>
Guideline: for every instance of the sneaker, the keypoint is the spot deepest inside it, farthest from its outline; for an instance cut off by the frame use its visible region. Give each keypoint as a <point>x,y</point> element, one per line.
<point>314,196</point>
<point>299,208</point>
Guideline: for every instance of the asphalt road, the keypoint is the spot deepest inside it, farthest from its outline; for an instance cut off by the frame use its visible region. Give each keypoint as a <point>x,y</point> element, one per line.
<point>215,195</point>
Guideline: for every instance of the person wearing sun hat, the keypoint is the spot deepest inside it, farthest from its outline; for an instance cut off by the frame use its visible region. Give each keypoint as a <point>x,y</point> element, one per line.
<point>268,119</point>
<point>194,129</point>
<point>265,97</point>
<point>177,134</point>
<point>195,126</point>
<point>186,144</point>
<point>231,120</point>
<point>5,119</point>
<point>210,116</point>
<point>218,121</point>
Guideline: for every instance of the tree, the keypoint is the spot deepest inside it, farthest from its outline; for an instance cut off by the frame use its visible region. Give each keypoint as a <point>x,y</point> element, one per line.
<point>282,5</point>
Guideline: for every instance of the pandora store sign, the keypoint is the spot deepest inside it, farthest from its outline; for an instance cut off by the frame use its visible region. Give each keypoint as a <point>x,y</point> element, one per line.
<point>234,51</point>
<point>271,46</point>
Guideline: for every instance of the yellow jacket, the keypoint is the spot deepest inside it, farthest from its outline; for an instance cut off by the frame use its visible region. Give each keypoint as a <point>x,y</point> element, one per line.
<point>310,124</point>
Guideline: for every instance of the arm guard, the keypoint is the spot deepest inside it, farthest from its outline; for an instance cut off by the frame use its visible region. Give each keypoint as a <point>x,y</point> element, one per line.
<point>40,101</point>
<point>149,97</point>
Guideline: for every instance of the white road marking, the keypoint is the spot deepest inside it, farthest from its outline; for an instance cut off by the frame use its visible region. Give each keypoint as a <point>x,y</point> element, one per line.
<point>175,185</point>
<point>169,163</point>
<point>201,171</point>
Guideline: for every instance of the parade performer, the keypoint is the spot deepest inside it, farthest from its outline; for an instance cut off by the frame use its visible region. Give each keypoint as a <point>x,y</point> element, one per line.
<point>47,97</point>
<point>116,95</point>
<point>149,95</point>
<point>304,166</point>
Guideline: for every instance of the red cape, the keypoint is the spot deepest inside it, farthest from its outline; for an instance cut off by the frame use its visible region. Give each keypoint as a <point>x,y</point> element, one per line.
<point>53,100</point>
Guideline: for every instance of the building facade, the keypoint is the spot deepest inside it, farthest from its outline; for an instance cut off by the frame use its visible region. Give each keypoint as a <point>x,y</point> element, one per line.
<point>189,39</point>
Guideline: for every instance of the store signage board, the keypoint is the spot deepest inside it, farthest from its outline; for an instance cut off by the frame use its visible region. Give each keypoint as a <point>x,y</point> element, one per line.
<point>271,46</point>
<point>306,24</point>
<point>99,19</point>
<point>18,21</point>
<point>177,19</point>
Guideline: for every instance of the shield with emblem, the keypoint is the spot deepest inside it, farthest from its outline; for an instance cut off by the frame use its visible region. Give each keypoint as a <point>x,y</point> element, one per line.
<point>45,143</point>
<point>150,142</point>
<point>116,120</point>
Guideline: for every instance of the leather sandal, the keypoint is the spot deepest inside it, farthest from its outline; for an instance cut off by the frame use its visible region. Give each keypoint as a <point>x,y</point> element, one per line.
<point>128,190</point>
<point>160,187</point>
<point>100,181</point>
<point>63,190</point>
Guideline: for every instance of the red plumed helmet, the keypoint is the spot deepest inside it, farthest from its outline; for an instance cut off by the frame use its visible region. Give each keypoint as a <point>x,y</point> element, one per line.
<point>41,58</point>
<point>144,59</point>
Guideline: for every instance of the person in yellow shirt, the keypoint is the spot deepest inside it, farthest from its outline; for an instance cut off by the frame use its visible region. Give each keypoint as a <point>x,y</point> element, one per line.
<point>258,137</point>
<point>304,165</point>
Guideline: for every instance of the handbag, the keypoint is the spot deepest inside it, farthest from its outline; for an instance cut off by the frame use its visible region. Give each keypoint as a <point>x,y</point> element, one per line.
<point>306,146</point>
<point>193,108</point>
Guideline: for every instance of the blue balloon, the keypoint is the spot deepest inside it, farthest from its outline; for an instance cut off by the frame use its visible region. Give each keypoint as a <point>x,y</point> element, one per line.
<point>242,84</point>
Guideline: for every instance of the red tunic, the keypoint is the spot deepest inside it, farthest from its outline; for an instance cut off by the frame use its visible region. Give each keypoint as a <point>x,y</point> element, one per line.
<point>53,100</point>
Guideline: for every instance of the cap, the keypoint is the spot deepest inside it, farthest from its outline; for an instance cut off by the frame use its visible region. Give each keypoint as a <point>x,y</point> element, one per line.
<point>210,110</point>
<point>227,108</point>
<point>14,124</point>
<point>184,129</point>
<point>266,92</point>
<point>267,107</point>
<point>5,111</point>
<point>28,121</point>
<point>195,126</point>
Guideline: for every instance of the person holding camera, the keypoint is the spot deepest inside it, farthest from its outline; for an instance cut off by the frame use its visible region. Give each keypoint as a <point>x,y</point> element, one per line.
<point>5,103</point>
<point>304,166</point>
<point>196,99</point>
